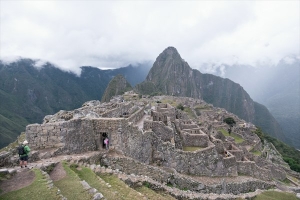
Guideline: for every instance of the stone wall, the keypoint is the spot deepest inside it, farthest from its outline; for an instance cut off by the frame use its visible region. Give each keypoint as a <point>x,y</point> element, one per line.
<point>77,135</point>
<point>169,176</point>
<point>195,140</point>
<point>188,125</point>
<point>193,131</point>
<point>5,158</point>
<point>118,111</point>
<point>135,117</point>
<point>251,169</point>
<point>206,161</point>
<point>158,116</point>
<point>148,124</point>
<point>162,131</point>
<point>237,153</point>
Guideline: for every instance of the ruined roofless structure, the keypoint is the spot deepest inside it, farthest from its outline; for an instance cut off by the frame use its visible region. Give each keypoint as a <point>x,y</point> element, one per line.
<point>154,133</point>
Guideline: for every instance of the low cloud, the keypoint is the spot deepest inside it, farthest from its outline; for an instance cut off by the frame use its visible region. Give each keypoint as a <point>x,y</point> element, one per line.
<point>115,34</point>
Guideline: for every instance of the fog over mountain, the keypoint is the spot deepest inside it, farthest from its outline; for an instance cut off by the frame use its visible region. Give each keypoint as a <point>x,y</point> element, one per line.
<point>112,34</point>
<point>276,87</point>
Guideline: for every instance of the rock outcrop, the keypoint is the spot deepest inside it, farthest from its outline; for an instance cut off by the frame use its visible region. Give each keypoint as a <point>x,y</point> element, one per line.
<point>117,86</point>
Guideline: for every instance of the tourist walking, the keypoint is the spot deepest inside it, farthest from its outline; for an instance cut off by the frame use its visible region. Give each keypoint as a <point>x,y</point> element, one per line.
<point>23,154</point>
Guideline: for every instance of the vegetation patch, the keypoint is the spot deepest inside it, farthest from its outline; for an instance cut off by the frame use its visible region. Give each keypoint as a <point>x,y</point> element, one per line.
<point>70,185</point>
<point>274,195</point>
<point>36,191</point>
<point>190,112</point>
<point>256,152</point>
<point>118,189</point>
<point>237,138</point>
<point>153,195</point>
<point>191,148</point>
<point>289,154</point>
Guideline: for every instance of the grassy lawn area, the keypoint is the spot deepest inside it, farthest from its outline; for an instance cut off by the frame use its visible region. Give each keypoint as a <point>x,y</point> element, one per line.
<point>191,148</point>
<point>171,102</point>
<point>36,191</point>
<point>237,138</point>
<point>189,112</point>
<point>152,195</point>
<point>119,190</point>
<point>257,153</point>
<point>70,186</point>
<point>274,195</point>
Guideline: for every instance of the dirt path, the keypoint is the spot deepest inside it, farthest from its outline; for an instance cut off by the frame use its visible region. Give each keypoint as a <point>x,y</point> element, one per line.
<point>58,172</point>
<point>20,180</point>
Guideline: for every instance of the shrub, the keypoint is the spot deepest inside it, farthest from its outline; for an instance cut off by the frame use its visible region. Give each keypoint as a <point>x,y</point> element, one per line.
<point>180,106</point>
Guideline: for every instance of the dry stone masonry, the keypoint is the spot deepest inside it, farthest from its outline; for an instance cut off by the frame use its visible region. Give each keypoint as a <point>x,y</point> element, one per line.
<point>151,137</point>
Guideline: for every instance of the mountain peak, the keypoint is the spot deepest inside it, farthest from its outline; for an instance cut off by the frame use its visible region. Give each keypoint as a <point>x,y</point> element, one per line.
<point>117,86</point>
<point>169,53</point>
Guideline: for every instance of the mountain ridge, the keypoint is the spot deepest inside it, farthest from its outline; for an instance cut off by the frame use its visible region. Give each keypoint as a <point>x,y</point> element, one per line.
<point>171,75</point>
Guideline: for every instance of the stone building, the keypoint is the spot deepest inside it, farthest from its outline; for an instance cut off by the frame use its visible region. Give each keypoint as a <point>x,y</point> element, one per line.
<point>152,133</point>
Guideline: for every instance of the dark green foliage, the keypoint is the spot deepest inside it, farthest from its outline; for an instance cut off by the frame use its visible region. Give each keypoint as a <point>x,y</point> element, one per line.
<point>117,86</point>
<point>146,184</point>
<point>290,154</point>
<point>229,120</point>
<point>180,106</point>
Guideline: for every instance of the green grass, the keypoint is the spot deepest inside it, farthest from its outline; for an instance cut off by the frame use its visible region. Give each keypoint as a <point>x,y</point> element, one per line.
<point>171,102</point>
<point>36,191</point>
<point>191,148</point>
<point>70,185</point>
<point>257,153</point>
<point>237,138</point>
<point>119,189</point>
<point>150,194</point>
<point>274,195</point>
<point>190,113</point>
<point>93,180</point>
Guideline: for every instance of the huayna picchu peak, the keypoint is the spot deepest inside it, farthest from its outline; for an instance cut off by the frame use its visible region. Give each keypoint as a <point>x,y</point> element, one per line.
<point>182,147</point>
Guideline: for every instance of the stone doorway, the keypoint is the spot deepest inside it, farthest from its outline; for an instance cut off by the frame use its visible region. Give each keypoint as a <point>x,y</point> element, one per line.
<point>100,137</point>
<point>104,135</point>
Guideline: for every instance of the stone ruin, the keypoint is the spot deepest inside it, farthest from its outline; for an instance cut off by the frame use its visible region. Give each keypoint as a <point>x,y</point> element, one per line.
<point>157,134</point>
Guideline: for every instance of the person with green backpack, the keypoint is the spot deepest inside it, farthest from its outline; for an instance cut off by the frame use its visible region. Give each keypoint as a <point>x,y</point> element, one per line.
<point>23,154</point>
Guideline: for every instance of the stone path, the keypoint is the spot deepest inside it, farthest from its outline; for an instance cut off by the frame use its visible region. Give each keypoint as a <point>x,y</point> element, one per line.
<point>23,178</point>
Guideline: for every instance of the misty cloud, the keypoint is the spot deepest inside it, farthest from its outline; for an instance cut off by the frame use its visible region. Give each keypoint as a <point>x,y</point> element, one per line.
<point>111,34</point>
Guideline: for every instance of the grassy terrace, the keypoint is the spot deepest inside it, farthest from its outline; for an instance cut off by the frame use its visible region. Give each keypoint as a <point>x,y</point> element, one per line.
<point>257,153</point>
<point>191,148</point>
<point>237,138</point>
<point>274,195</point>
<point>36,191</point>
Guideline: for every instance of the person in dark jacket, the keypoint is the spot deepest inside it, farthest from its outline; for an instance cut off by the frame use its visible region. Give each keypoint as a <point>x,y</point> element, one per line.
<point>24,157</point>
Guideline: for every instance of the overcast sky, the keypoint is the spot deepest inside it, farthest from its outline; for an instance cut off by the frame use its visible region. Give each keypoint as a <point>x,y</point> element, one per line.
<point>110,34</point>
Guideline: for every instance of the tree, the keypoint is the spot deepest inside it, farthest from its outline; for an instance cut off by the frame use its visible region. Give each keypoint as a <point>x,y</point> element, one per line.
<point>230,121</point>
<point>180,106</point>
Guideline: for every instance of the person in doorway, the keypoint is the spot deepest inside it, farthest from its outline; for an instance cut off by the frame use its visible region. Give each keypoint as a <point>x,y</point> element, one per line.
<point>106,143</point>
<point>24,151</point>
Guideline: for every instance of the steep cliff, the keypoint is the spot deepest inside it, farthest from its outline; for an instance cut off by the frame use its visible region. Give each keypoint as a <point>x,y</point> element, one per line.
<point>117,86</point>
<point>171,75</point>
